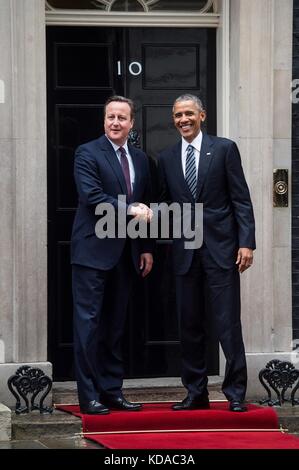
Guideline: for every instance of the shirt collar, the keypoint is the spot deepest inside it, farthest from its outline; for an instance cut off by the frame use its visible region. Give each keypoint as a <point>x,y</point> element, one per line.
<point>196,143</point>
<point>116,147</point>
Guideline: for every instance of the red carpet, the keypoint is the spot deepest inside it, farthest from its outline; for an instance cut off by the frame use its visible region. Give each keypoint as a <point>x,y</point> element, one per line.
<point>199,440</point>
<point>158,427</point>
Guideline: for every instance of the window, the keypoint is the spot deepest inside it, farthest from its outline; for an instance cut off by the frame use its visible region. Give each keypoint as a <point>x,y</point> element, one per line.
<point>202,6</point>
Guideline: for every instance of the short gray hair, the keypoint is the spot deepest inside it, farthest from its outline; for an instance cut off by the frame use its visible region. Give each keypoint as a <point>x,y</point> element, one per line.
<point>189,97</point>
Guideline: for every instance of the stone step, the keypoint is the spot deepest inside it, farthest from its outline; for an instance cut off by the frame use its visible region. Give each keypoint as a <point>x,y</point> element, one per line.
<point>58,424</point>
<point>144,390</point>
<point>36,426</point>
<point>288,417</point>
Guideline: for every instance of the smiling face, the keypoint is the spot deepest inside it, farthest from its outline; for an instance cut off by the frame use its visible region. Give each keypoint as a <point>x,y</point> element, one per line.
<point>188,118</point>
<point>118,122</point>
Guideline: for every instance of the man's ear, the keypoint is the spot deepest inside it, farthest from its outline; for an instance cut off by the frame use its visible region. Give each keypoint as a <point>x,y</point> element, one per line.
<point>203,116</point>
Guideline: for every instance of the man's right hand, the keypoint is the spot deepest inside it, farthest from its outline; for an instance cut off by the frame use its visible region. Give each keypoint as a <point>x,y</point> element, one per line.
<point>140,211</point>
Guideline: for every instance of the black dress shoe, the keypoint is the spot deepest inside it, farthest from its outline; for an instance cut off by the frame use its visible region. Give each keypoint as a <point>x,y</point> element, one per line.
<point>237,405</point>
<point>120,403</point>
<point>94,408</point>
<point>200,403</point>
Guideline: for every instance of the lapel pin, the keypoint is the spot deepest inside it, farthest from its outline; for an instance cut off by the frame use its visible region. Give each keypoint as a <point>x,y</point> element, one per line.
<point>209,153</point>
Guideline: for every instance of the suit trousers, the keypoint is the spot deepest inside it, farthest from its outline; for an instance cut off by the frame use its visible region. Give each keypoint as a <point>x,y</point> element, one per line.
<point>208,289</point>
<point>100,308</point>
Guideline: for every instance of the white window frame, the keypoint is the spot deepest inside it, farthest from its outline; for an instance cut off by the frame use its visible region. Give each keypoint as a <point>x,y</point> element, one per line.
<point>147,18</point>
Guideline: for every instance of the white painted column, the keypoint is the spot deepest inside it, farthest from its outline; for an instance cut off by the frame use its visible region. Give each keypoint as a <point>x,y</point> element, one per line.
<point>282,158</point>
<point>260,121</point>
<point>23,247</point>
<point>223,69</point>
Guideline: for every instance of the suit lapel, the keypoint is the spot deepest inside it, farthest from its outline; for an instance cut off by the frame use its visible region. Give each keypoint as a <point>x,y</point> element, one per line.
<point>137,167</point>
<point>113,161</point>
<point>178,169</point>
<point>206,154</point>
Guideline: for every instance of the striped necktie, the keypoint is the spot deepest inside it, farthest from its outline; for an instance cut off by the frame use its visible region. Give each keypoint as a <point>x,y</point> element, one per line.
<point>190,172</point>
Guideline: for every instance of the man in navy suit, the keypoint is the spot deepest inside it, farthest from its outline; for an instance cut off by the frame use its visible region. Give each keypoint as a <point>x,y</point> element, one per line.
<point>207,169</point>
<point>102,268</point>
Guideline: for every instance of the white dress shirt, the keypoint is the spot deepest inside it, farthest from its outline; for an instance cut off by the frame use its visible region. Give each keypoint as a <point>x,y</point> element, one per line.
<point>196,144</point>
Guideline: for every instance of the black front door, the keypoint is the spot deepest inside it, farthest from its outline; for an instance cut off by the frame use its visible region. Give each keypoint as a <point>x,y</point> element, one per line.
<point>84,67</point>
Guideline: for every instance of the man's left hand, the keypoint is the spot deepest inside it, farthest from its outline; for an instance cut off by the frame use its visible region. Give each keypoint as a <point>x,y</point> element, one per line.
<point>146,263</point>
<point>244,259</point>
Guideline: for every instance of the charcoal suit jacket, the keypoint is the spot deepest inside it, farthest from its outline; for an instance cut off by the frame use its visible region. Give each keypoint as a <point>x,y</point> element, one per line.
<point>228,220</point>
<point>99,179</point>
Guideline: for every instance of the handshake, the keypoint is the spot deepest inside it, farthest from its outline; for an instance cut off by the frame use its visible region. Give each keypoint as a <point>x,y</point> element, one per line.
<point>140,211</point>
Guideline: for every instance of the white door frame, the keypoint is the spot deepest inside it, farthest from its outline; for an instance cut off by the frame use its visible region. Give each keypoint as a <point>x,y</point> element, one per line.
<point>218,20</point>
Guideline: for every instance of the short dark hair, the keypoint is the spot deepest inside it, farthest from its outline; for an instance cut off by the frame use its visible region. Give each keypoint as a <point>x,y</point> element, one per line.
<point>189,97</point>
<point>121,99</point>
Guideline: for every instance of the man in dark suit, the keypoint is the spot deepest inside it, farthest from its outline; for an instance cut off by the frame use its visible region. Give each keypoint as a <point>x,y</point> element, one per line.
<point>102,267</point>
<point>207,169</point>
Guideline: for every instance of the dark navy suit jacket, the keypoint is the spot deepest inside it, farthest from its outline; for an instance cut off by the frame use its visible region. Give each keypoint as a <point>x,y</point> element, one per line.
<point>99,179</point>
<point>228,220</point>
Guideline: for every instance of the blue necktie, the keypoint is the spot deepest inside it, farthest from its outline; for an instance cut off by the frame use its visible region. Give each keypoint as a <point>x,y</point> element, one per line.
<point>126,170</point>
<point>190,172</point>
